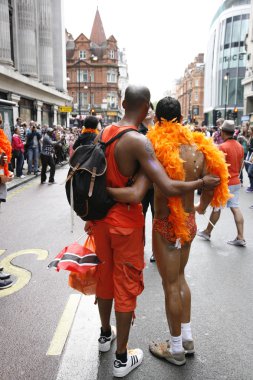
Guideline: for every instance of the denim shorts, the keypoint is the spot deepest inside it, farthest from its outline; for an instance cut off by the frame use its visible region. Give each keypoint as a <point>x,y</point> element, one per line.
<point>235,190</point>
<point>232,202</point>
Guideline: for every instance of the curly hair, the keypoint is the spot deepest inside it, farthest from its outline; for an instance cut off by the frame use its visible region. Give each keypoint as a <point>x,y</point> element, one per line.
<point>168,108</point>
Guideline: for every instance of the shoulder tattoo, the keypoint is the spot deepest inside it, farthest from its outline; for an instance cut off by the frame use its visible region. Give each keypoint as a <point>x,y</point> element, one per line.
<point>149,148</point>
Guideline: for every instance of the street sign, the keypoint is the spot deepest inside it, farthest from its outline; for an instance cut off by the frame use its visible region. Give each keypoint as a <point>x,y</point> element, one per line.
<point>65,109</point>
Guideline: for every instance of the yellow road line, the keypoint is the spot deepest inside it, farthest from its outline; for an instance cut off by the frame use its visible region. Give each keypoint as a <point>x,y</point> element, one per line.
<point>20,189</point>
<point>64,326</point>
<point>22,275</point>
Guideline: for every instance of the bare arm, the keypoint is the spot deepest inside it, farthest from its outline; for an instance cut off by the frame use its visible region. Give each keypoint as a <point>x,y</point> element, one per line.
<point>205,198</point>
<point>134,193</point>
<point>145,155</point>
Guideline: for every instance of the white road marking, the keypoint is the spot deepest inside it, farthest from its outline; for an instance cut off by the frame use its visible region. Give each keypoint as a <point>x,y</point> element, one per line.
<point>64,326</point>
<point>81,357</point>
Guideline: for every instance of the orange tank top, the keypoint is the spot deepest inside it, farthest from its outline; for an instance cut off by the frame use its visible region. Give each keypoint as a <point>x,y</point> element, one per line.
<point>120,215</point>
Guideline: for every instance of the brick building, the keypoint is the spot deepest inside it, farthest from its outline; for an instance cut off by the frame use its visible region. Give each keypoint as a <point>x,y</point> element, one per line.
<point>93,73</point>
<point>190,90</point>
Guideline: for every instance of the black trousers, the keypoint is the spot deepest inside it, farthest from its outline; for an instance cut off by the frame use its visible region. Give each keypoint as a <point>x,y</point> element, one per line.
<point>47,161</point>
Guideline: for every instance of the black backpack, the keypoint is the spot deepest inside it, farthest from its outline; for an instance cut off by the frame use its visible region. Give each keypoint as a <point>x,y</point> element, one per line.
<point>86,180</point>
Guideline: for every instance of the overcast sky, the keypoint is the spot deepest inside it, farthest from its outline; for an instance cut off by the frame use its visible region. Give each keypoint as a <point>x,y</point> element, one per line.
<point>161,37</point>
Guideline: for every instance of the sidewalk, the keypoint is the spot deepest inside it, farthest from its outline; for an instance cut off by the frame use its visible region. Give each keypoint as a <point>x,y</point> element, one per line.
<point>18,181</point>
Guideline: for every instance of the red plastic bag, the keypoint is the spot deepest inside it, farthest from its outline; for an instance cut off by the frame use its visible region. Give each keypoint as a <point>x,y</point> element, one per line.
<point>85,282</point>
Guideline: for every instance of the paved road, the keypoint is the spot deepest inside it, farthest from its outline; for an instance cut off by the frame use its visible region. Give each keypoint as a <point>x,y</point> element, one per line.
<point>36,224</point>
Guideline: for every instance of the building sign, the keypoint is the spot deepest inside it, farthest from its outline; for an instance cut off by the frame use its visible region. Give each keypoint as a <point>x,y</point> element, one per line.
<point>234,57</point>
<point>65,109</point>
<point>111,113</point>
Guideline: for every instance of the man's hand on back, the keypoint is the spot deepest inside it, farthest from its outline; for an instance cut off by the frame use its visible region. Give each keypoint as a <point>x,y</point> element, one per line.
<point>210,181</point>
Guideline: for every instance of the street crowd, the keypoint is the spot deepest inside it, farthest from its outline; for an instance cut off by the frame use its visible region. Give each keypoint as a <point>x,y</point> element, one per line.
<point>34,148</point>
<point>158,134</point>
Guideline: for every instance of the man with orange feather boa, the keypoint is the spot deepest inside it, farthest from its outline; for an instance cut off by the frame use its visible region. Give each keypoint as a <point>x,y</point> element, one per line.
<point>5,158</point>
<point>185,156</point>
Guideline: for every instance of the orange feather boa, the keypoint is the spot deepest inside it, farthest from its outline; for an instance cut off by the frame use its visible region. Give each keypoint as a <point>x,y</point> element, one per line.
<point>5,147</point>
<point>167,137</point>
<point>89,130</point>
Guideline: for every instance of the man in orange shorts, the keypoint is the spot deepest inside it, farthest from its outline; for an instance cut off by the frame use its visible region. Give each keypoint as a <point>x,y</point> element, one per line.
<point>119,236</point>
<point>174,225</point>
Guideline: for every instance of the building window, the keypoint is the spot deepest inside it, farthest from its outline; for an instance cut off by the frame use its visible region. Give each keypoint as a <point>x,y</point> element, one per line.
<point>196,82</point>
<point>196,96</point>
<point>82,54</point>
<point>112,76</point>
<point>112,54</point>
<point>112,100</point>
<point>83,99</point>
<point>92,76</point>
<point>83,75</point>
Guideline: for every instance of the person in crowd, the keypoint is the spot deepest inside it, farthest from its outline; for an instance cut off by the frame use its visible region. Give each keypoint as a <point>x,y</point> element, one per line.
<point>47,156</point>
<point>70,141</point>
<point>243,139</point>
<point>217,139</point>
<point>5,281</point>
<point>18,153</point>
<point>234,154</point>
<point>249,161</point>
<point>119,236</point>
<point>190,156</point>
<point>33,148</point>
<point>89,132</point>
<point>148,199</point>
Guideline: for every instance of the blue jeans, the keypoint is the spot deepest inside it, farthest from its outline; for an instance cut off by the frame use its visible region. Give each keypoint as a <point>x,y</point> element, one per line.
<point>249,168</point>
<point>33,157</point>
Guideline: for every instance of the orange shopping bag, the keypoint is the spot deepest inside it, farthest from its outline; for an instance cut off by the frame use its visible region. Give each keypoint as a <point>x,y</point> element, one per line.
<point>85,282</point>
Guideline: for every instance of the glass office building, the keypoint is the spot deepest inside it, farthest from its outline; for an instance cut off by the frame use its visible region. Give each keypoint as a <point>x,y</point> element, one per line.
<point>226,61</point>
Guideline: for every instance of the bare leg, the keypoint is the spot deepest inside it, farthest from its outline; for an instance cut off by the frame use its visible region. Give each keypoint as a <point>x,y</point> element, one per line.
<point>105,308</point>
<point>184,288</point>
<point>239,221</point>
<point>168,263</point>
<point>214,217</point>
<point>123,327</point>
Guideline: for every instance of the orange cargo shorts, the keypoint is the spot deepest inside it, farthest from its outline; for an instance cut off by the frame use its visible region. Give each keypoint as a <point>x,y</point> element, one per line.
<point>120,276</point>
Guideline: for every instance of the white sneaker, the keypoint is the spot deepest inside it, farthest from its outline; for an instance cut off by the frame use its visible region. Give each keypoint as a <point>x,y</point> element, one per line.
<point>203,235</point>
<point>134,359</point>
<point>22,176</point>
<point>104,343</point>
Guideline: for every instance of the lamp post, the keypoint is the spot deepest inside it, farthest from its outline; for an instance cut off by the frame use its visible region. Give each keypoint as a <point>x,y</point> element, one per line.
<point>89,88</point>
<point>226,78</point>
<point>79,87</point>
<point>189,111</point>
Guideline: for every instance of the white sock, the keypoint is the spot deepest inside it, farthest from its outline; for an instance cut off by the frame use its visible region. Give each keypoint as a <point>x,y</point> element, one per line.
<point>186,331</point>
<point>176,344</point>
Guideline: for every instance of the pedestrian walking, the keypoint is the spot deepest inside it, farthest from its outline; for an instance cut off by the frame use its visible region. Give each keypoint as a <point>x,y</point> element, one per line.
<point>33,148</point>
<point>47,156</point>
<point>234,155</point>
<point>217,138</point>
<point>17,153</point>
<point>249,161</point>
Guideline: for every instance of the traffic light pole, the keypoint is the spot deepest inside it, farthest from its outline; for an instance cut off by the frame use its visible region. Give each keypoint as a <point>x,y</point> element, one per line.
<point>79,90</point>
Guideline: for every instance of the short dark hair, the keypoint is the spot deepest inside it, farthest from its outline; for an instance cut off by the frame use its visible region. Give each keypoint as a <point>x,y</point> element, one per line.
<point>168,108</point>
<point>91,122</point>
<point>136,96</point>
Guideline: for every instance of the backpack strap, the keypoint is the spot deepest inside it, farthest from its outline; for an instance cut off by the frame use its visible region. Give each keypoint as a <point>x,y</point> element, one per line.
<point>105,144</point>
